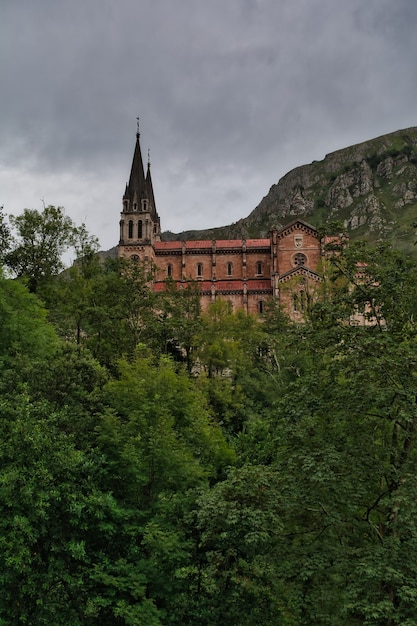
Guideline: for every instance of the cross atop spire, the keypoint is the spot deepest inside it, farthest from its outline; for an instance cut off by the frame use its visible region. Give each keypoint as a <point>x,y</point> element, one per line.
<point>137,127</point>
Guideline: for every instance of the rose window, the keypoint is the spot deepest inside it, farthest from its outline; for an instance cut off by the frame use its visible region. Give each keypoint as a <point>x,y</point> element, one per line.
<point>300,259</point>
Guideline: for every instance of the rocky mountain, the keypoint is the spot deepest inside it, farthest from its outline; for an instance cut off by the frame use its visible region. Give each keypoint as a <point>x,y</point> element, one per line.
<point>369,189</point>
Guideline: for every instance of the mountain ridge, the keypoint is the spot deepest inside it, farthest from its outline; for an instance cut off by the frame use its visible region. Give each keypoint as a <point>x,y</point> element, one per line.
<point>369,189</point>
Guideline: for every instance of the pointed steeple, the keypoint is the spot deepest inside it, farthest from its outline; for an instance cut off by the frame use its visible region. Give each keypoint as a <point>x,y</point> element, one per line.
<point>152,205</point>
<point>139,224</point>
<point>149,188</point>
<point>136,189</point>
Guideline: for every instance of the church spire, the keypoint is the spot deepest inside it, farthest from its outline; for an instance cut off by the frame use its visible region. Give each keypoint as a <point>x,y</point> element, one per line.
<point>140,223</point>
<point>136,189</point>
<point>149,187</point>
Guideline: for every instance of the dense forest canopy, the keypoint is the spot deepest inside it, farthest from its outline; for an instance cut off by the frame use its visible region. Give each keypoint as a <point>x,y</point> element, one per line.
<point>164,466</point>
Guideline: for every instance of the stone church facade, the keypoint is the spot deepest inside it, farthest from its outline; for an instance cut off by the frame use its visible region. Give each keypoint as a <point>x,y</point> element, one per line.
<point>245,272</point>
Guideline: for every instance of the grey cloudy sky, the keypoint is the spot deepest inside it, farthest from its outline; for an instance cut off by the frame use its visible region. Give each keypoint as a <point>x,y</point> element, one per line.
<point>231,95</point>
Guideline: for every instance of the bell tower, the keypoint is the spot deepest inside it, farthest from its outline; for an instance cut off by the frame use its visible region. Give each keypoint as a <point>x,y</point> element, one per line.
<point>139,222</point>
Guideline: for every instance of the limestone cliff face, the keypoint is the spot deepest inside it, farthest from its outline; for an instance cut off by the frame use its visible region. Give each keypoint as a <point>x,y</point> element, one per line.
<point>370,189</point>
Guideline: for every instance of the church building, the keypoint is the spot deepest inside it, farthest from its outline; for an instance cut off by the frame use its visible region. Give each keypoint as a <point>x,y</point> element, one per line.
<point>245,272</point>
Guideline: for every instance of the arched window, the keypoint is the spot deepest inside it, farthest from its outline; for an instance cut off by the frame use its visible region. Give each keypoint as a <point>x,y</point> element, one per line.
<point>199,270</point>
<point>302,300</point>
<point>260,306</point>
<point>259,268</point>
<point>140,229</point>
<point>300,259</point>
<point>229,269</point>
<point>295,302</point>
<point>130,229</point>
<point>169,270</point>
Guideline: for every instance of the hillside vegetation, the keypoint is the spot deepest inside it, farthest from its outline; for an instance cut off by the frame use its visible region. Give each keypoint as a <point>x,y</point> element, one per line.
<point>369,188</point>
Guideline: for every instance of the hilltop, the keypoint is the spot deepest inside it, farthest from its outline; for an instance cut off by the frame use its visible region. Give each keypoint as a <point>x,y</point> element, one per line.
<point>369,188</point>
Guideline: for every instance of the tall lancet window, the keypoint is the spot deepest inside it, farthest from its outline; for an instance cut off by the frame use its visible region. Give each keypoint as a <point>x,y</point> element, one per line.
<point>140,229</point>
<point>130,229</point>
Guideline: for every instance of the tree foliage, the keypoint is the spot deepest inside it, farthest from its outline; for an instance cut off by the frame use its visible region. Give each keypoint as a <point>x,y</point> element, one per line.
<point>165,466</point>
<point>41,238</point>
<point>4,235</point>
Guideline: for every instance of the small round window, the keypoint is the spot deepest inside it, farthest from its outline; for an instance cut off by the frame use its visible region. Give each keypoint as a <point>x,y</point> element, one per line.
<point>300,259</point>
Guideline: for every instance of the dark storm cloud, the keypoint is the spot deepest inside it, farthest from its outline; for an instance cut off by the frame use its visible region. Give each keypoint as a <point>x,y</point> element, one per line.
<point>231,94</point>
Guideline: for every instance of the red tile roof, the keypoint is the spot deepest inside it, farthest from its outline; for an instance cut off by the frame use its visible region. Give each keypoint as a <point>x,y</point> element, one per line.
<point>204,244</point>
<point>259,283</point>
<point>168,245</point>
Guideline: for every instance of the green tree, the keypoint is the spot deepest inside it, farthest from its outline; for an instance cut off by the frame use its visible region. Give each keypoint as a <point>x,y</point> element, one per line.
<point>25,333</point>
<point>341,438</point>
<point>41,239</point>
<point>121,312</point>
<point>69,296</point>
<point>229,349</point>
<point>161,446</point>
<point>179,321</point>
<point>70,380</point>
<point>5,236</point>
<point>69,550</point>
<point>165,414</point>
<point>240,524</point>
<point>107,307</point>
